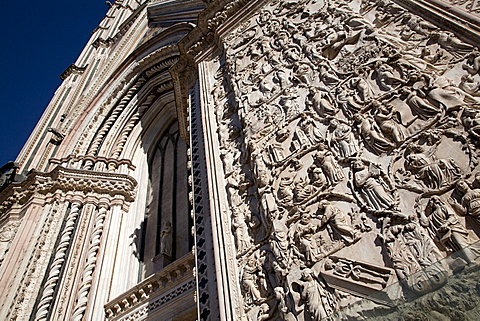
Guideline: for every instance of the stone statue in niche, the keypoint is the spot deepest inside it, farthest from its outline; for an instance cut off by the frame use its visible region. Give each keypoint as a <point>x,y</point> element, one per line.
<point>371,186</point>
<point>166,239</point>
<point>444,226</point>
<point>318,298</point>
<point>341,139</point>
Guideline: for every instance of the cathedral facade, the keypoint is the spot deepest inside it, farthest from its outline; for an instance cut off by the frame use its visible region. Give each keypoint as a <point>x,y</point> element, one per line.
<point>254,160</point>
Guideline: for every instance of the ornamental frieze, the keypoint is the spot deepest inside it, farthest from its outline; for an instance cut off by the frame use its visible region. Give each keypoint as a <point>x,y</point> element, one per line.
<point>348,136</point>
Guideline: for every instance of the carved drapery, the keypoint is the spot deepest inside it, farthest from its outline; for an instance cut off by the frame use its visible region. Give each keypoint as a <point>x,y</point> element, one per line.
<point>341,126</point>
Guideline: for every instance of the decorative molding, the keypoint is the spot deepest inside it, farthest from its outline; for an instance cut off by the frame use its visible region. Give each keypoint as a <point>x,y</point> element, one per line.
<point>66,182</point>
<point>72,69</point>
<point>55,268</point>
<point>155,291</point>
<point>89,268</point>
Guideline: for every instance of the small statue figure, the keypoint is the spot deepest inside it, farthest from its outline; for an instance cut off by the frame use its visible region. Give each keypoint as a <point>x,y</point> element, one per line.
<point>318,298</point>
<point>166,239</point>
<point>324,159</point>
<point>371,186</point>
<point>337,219</point>
<point>444,226</point>
<point>342,139</point>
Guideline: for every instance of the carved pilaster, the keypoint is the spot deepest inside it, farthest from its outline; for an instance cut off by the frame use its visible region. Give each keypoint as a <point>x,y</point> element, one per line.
<point>88,269</point>
<point>58,263</point>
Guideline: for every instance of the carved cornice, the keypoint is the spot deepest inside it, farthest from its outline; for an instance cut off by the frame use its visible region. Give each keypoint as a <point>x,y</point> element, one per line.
<point>161,13</point>
<point>72,69</point>
<point>155,291</point>
<point>93,159</point>
<point>63,182</point>
<point>122,29</point>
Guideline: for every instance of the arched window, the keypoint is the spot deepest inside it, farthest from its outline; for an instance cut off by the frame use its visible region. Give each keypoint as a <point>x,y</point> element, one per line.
<point>167,234</point>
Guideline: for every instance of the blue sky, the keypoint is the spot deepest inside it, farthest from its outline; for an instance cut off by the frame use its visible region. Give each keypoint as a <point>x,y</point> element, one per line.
<point>39,40</point>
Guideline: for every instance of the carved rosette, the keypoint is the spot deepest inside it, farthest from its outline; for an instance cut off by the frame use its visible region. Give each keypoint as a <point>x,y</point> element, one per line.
<point>348,134</point>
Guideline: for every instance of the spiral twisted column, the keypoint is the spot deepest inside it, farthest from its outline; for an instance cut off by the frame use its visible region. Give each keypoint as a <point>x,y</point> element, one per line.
<point>57,264</point>
<point>87,275</point>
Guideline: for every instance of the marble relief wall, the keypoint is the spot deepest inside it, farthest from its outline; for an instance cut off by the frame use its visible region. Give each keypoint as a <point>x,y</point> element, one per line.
<point>348,132</point>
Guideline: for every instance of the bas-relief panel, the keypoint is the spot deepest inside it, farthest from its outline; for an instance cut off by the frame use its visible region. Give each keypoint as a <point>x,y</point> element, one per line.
<point>348,134</point>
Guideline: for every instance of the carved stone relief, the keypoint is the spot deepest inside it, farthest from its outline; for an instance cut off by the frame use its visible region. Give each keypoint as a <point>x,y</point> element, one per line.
<point>348,133</point>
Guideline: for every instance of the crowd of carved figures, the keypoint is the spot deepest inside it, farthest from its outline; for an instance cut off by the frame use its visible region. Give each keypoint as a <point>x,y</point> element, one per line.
<point>342,123</point>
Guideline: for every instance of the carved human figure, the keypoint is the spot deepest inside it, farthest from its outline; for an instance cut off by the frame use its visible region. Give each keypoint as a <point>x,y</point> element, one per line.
<point>305,235</point>
<point>282,305</point>
<point>325,159</point>
<point>318,298</point>
<point>166,239</point>
<point>371,186</point>
<point>386,79</point>
<point>371,134</point>
<point>279,245</point>
<point>473,62</point>
<point>337,219</point>
<point>363,89</point>
<point>342,140</point>
<point>387,118</point>
<point>251,279</point>
<point>321,102</point>
<point>263,312</point>
<point>241,230</point>
<point>428,171</point>
<point>469,85</point>
<point>470,201</point>
<point>310,129</point>
<point>418,105</point>
<point>444,226</point>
